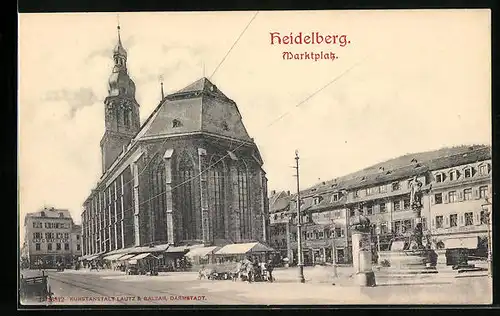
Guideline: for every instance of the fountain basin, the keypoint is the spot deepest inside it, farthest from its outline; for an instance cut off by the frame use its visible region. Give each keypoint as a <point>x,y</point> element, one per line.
<point>407,261</point>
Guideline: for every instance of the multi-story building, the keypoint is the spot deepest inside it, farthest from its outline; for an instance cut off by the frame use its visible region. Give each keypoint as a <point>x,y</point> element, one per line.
<point>48,237</point>
<point>189,173</point>
<point>456,184</point>
<point>76,241</point>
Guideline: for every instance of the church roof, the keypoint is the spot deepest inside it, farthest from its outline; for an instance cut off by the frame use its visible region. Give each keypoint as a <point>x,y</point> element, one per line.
<point>199,107</point>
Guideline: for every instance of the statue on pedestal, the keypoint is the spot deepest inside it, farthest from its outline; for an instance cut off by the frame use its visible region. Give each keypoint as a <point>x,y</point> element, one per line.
<point>416,193</point>
<point>359,222</point>
<point>416,205</point>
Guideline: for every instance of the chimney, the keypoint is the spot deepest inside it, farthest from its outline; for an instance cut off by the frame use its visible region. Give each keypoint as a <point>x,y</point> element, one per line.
<point>288,193</point>
<point>273,192</point>
<point>381,169</point>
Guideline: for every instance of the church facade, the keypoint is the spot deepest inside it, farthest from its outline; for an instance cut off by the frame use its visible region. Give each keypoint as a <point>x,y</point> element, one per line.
<point>189,173</point>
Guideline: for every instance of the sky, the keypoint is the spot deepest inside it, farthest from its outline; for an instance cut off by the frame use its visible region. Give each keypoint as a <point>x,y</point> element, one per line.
<point>409,81</point>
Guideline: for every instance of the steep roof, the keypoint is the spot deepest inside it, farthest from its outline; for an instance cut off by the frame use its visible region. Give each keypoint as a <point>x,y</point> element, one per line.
<point>50,213</point>
<point>405,166</point>
<point>199,107</point>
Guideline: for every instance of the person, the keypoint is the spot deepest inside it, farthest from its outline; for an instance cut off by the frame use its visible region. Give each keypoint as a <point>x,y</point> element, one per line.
<point>270,268</point>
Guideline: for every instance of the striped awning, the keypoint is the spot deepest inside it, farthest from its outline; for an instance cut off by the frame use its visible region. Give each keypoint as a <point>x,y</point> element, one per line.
<point>141,256</point>
<point>113,257</point>
<point>126,257</point>
<point>235,249</point>
<point>202,251</point>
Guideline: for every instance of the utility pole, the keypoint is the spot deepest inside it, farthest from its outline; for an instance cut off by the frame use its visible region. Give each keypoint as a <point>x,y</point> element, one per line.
<point>299,230</point>
<point>334,251</point>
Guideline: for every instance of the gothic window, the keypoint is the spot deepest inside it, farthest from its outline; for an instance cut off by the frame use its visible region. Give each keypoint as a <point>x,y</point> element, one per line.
<point>158,200</point>
<point>186,197</point>
<point>243,201</point>
<point>126,116</point>
<point>216,193</point>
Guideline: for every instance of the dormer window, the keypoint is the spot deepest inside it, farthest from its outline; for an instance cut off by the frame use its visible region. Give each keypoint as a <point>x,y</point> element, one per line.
<point>176,123</point>
<point>484,169</point>
<point>453,175</point>
<point>225,126</point>
<point>439,177</point>
<point>335,197</point>
<point>317,200</point>
<point>467,172</point>
<point>61,215</point>
<point>42,214</point>
<point>395,186</point>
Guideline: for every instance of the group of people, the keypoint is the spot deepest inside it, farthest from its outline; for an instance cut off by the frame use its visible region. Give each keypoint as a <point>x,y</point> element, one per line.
<point>258,268</point>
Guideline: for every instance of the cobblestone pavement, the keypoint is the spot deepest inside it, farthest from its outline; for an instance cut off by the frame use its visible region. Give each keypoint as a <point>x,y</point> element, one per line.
<point>180,288</point>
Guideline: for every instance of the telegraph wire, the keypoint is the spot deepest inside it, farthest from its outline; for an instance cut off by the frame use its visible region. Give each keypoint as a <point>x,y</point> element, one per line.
<point>234,44</point>
<point>244,142</point>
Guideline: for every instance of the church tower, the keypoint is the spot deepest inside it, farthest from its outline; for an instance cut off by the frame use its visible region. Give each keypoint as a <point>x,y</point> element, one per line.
<point>122,121</point>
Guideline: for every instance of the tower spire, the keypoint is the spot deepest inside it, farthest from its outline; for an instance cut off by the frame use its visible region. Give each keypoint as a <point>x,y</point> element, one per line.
<point>118,28</point>
<point>161,84</point>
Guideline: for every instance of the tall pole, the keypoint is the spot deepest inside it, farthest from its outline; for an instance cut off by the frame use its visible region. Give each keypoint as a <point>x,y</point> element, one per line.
<point>299,230</point>
<point>334,252</point>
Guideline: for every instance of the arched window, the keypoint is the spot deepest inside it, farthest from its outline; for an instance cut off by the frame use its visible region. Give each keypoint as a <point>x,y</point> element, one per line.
<point>186,197</point>
<point>244,202</point>
<point>158,202</point>
<point>126,116</point>
<point>217,196</point>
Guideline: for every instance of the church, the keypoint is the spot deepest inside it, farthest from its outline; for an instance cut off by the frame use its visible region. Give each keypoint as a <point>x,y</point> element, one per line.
<point>189,174</point>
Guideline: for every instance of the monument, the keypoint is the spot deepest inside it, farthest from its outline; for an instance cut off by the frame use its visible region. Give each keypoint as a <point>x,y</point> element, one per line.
<point>361,250</point>
<point>411,256</point>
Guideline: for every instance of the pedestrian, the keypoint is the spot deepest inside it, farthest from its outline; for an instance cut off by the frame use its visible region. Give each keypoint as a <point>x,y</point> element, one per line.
<point>270,268</point>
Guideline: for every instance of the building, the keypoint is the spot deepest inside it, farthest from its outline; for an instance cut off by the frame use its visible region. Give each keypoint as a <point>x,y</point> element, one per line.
<point>76,241</point>
<point>456,184</point>
<point>189,174</point>
<point>49,237</point>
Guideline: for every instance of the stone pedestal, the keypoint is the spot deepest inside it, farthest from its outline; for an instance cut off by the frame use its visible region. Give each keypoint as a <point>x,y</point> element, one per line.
<point>441,259</point>
<point>362,259</point>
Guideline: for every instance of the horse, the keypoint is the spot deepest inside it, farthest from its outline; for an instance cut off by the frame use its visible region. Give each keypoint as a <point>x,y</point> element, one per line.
<point>235,273</point>
<point>205,273</point>
<point>247,272</point>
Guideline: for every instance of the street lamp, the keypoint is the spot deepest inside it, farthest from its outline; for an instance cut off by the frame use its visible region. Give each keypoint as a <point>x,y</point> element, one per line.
<point>334,249</point>
<point>487,219</point>
<point>299,230</point>
<point>377,231</point>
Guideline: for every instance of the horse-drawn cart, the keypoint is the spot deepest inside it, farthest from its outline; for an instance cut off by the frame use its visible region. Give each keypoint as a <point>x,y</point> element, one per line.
<point>36,287</point>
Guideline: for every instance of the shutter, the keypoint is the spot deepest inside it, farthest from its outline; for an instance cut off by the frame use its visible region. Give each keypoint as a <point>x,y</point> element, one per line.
<point>445,197</point>
<point>460,195</point>
<point>433,223</point>
<point>476,193</point>
<point>432,199</point>
<point>447,221</point>
<point>478,218</point>
<point>461,221</point>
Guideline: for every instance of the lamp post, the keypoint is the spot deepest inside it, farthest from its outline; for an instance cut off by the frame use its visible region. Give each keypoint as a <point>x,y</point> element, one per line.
<point>377,231</point>
<point>299,230</point>
<point>487,219</point>
<point>334,250</point>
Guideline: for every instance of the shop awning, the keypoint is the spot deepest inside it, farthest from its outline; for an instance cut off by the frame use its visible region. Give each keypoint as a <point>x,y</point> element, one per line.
<point>465,242</point>
<point>141,256</point>
<point>238,249</point>
<point>113,257</point>
<point>126,257</point>
<point>202,251</point>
